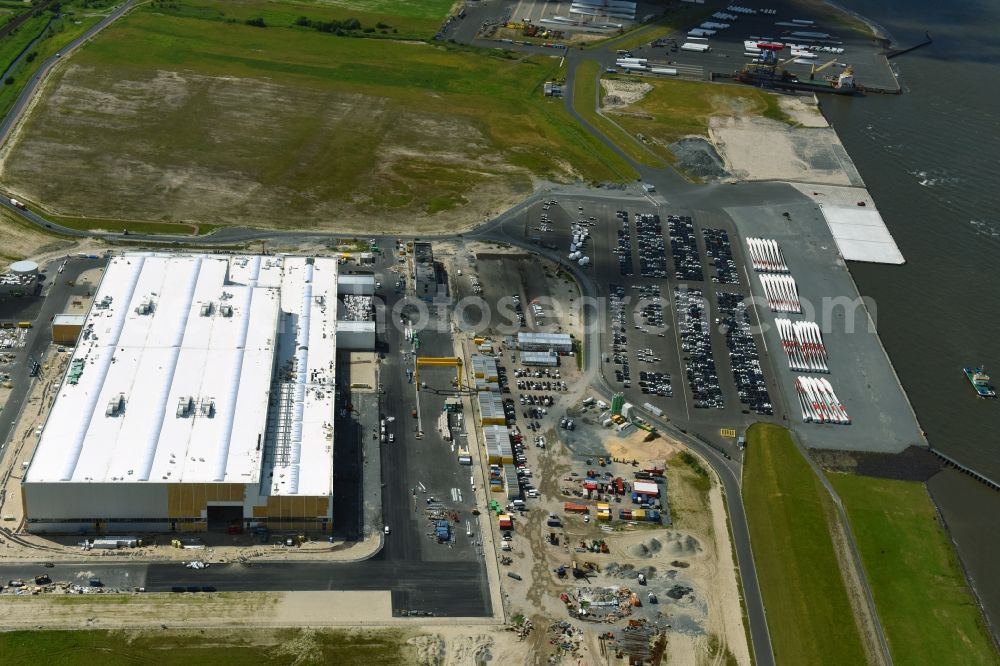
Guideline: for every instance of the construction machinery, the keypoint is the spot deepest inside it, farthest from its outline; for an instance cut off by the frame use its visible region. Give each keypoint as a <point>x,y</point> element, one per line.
<point>438,362</point>
<point>815,70</point>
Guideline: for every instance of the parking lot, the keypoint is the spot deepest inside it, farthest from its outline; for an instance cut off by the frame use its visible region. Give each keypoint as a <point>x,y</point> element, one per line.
<point>726,54</point>
<point>683,351</point>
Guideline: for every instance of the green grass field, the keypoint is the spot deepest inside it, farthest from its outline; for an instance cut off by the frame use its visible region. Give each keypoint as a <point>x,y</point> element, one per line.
<point>809,615</point>
<point>417,19</point>
<point>585,91</point>
<point>223,123</point>
<point>927,611</point>
<point>216,647</point>
<point>674,109</point>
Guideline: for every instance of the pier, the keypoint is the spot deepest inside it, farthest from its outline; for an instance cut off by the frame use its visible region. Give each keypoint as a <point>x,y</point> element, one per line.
<point>892,53</point>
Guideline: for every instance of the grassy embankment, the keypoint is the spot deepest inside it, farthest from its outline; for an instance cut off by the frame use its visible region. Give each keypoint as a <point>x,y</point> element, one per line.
<point>927,611</point>
<point>809,614</point>
<point>289,126</point>
<point>585,101</point>
<point>216,647</point>
<point>75,19</point>
<point>674,109</point>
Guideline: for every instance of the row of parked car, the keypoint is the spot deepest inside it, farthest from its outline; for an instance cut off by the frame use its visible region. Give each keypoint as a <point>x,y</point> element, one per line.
<point>719,250</point>
<point>696,345</point>
<point>624,248</point>
<point>684,247</point>
<point>652,247</point>
<point>747,372</point>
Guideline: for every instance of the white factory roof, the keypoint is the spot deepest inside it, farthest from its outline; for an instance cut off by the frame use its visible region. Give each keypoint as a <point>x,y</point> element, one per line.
<point>171,378</point>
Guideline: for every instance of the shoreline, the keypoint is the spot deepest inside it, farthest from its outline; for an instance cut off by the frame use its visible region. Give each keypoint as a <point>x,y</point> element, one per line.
<point>877,30</point>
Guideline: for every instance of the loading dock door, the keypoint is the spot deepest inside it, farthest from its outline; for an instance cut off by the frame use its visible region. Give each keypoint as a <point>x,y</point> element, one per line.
<point>221,517</point>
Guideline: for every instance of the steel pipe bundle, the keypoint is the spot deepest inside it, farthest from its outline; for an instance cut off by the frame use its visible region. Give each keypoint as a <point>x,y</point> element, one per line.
<point>765,255</point>
<point>781,292</point>
<point>819,403</point>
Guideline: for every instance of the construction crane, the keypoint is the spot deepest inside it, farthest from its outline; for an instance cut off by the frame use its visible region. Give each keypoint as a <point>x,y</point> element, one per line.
<point>816,70</point>
<point>438,361</point>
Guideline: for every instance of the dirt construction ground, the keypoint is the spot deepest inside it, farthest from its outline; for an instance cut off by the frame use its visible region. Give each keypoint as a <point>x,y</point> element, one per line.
<point>393,166</point>
<point>689,566</point>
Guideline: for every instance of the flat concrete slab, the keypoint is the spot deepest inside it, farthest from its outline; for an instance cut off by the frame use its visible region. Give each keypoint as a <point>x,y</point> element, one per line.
<point>860,371</point>
<point>861,235</point>
<point>855,223</point>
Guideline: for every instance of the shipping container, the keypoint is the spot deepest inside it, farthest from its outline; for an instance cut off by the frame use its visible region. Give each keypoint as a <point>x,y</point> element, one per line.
<point>573,507</point>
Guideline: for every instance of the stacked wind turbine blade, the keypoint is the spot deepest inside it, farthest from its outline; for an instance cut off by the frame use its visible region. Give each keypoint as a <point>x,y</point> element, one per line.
<point>790,344</point>
<point>765,255</point>
<point>835,404</point>
<point>819,403</point>
<point>781,292</point>
<point>805,403</point>
<point>810,340</point>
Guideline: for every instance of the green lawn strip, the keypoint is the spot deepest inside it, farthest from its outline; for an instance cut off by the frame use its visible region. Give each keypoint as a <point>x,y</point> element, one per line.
<point>809,615</point>
<point>216,647</point>
<point>62,31</point>
<point>133,227</point>
<point>13,44</point>
<point>585,90</point>
<point>674,109</point>
<point>927,610</point>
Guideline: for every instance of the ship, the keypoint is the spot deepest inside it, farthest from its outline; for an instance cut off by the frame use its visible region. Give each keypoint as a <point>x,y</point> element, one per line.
<point>980,381</point>
<point>765,76</point>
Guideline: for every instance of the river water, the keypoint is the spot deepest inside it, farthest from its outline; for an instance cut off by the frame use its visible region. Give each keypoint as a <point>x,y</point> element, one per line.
<point>931,160</point>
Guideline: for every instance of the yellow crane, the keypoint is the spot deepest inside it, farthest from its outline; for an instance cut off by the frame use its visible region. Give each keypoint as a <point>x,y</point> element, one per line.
<point>816,70</point>
<point>434,361</point>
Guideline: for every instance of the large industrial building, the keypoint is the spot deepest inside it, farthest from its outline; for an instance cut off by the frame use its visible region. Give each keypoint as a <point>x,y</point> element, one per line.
<point>200,395</point>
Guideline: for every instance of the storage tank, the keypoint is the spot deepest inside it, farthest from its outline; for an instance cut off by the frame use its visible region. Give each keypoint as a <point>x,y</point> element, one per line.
<point>26,267</point>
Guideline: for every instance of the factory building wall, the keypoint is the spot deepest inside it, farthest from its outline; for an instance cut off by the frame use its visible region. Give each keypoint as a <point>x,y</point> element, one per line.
<point>92,507</point>
<point>66,334</point>
<point>111,508</point>
<point>356,338</point>
<point>295,513</point>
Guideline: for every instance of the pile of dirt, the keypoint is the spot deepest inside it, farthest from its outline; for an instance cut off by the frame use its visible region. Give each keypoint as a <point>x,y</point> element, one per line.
<point>681,544</point>
<point>679,592</point>
<point>647,549</point>
<point>620,93</point>
<point>697,157</point>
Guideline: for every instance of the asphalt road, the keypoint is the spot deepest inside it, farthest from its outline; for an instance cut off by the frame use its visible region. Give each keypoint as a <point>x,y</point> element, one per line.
<point>442,588</point>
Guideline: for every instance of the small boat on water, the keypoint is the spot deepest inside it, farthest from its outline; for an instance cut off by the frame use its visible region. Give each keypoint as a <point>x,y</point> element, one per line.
<point>981,382</point>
